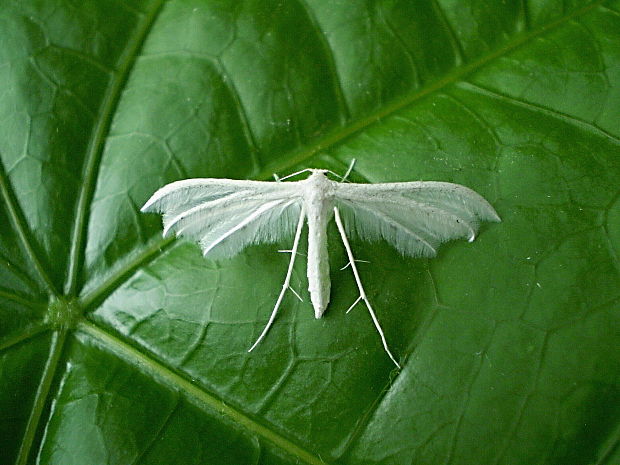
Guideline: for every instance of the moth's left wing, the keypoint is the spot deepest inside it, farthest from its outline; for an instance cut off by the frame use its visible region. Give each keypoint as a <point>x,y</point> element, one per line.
<point>224,215</point>
<point>414,217</point>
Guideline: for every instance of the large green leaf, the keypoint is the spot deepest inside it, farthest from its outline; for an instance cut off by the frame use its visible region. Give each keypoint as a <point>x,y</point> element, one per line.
<point>119,347</point>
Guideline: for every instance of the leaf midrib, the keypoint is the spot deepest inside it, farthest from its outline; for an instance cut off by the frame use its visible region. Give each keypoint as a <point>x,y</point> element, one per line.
<point>21,228</point>
<point>95,151</point>
<point>193,392</point>
<point>97,146</point>
<point>40,400</point>
<point>340,134</point>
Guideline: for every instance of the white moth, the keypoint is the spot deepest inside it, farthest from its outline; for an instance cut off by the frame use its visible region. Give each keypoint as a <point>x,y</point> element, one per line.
<point>226,215</point>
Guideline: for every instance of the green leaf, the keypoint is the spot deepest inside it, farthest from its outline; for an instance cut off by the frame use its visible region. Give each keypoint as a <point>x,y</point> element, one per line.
<point>117,346</point>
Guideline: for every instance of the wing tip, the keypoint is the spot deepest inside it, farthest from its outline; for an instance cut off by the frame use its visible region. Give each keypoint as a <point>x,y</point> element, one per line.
<point>489,213</point>
<point>166,231</point>
<point>146,208</point>
<point>149,206</point>
<point>494,216</point>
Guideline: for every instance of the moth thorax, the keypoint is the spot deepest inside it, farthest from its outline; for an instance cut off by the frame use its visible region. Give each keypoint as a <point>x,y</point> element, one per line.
<point>319,195</point>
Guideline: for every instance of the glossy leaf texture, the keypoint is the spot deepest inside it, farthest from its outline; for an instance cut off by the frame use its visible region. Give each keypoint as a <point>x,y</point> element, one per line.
<point>118,346</point>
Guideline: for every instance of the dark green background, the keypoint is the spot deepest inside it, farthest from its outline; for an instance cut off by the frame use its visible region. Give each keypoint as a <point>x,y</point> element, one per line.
<point>118,347</point>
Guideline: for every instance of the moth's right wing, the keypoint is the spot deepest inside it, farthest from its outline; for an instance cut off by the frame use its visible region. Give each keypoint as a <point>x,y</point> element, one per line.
<point>414,217</point>
<point>224,215</point>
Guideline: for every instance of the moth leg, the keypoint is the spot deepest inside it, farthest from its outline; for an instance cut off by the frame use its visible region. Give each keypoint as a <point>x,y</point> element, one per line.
<point>349,169</point>
<point>344,177</point>
<point>296,294</point>
<point>290,251</point>
<point>287,280</point>
<point>362,296</point>
<point>293,290</point>
<point>349,264</point>
<point>278,178</point>
<point>354,304</point>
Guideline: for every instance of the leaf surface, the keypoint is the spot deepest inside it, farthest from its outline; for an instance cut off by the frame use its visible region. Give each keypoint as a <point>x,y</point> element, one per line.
<point>118,346</point>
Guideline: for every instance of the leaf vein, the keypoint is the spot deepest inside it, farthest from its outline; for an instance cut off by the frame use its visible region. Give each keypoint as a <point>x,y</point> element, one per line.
<point>454,42</point>
<point>331,61</point>
<point>96,148</point>
<point>340,134</point>
<point>573,121</point>
<point>41,396</point>
<point>23,232</point>
<point>195,393</point>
